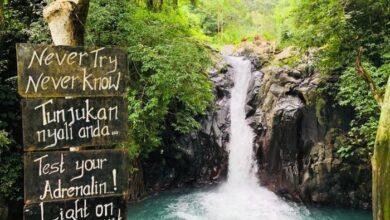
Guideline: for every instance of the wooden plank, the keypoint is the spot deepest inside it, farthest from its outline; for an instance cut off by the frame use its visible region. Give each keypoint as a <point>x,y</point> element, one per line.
<point>62,123</point>
<point>60,71</point>
<point>59,175</point>
<point>113,208</point>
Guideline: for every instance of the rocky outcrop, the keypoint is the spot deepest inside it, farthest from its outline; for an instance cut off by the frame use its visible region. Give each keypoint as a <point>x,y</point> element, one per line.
<point>199,158</point>
<point>296,130</point>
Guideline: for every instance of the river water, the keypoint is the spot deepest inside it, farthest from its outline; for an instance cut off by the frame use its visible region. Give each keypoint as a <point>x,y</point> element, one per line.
<point>240,197</point>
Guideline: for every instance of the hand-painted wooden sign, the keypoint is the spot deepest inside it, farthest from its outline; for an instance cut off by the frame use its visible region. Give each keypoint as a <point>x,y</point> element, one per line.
<point>73,97</point>
<point>59,175</point>
<point>60,71</point>
<point>62,123</point>
<point>96,208</point>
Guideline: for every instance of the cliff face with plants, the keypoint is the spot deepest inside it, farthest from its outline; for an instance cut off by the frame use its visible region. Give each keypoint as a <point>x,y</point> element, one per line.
<point>297,131</point>
<point>198,158</point>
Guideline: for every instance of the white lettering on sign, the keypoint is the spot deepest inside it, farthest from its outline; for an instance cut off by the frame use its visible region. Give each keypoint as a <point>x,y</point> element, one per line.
<point>86,113</point>
<point>92,188</point>
<point>95,120</point>
<point>68,82</point>
<point>68,180</point>
<point>64,82</point>
<point>99,61</point>
<point>47,71</point>
<point>82,209</point>
<point>50,168</point>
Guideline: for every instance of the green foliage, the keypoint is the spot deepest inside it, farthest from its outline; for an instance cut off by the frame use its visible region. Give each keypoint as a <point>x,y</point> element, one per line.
<point>169,86</point>
<point>10,169</point>
<point>339,28</point>
<point>20,19</point>
<point>354,92</point>
<point>230,21</point>
<point>4,141</point>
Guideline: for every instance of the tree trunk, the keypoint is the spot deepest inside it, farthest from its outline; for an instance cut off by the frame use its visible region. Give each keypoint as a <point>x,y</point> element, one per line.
<point>381,163</point>
<point>136,181</point>
<point>66,19</point>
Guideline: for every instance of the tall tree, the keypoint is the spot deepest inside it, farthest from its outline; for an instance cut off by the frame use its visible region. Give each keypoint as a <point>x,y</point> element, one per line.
<point>381,158</point>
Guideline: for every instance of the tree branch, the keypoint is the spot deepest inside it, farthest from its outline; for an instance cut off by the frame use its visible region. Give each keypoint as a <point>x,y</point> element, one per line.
<point>376,92</point>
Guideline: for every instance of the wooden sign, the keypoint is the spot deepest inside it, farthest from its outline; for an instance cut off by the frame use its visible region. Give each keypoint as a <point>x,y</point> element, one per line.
<point>61,175</point>
<point>62,123</point>
<point>96,208</point>
<point>73,97</point>
<point>60,71</point>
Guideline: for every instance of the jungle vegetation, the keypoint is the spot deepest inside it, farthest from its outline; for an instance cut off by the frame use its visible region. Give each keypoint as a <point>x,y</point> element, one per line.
<point>170,44</point>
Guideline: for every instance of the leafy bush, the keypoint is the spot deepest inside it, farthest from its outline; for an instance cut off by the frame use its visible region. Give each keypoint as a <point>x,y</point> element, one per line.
<point>10,170</point>
<point>169,86</point>
<point>21,19</point>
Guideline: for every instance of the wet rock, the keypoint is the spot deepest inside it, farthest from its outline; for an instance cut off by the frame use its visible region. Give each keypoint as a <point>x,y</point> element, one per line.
<point>295,73</point>
<point>295,136</point>
<point>255,121</point>
<point>252,98</point>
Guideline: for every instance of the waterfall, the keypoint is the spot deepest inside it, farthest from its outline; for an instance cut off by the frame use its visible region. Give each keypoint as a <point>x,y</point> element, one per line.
<point>242,165</point>
<point>240,197</point>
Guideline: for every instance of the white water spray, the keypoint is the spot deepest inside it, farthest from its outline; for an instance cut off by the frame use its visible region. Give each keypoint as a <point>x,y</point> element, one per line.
<point>240,197</point>
<point>242,167</point>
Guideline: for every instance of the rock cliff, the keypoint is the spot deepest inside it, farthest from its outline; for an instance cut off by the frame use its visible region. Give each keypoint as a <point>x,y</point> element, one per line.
<point>296,128</point>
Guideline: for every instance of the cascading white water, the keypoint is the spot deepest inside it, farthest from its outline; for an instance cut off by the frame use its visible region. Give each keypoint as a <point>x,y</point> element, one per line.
<point>242,165</point>
<point>240,197</point>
